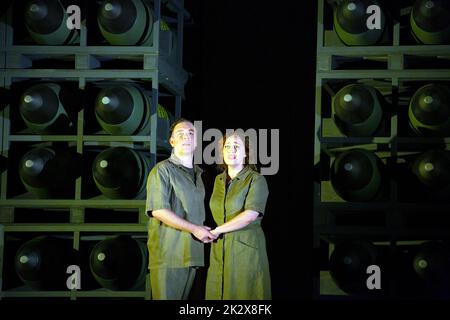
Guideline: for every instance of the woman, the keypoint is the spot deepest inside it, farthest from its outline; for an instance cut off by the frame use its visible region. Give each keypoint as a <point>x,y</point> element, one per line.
<point>239,267</point>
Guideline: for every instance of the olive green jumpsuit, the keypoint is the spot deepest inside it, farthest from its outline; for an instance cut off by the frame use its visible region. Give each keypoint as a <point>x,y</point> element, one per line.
<point>174,254</point>
<point>239,268</point>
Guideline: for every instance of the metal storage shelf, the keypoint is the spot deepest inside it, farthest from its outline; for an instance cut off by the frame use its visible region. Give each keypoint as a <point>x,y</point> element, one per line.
<point>402,50</point>
<point>138,230</point>
<point>384,74</point>
<point>347,140</point>
<point>356,206</point>
<point>387,66</point>
<point>392,232</point>
<point>73,227</point>
<point>99,293</point>
<point>76,50</point>
<point>19,62</point>
<point>83,75</point>
<point>74,138</point>
<point>68,203</point>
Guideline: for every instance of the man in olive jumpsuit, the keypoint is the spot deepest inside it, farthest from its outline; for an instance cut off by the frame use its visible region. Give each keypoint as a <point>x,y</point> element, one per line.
<point>175,195</point>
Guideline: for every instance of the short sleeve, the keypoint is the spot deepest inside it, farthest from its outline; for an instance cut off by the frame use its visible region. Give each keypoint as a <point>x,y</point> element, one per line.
<point>158,190</point>
<point>257,195</point>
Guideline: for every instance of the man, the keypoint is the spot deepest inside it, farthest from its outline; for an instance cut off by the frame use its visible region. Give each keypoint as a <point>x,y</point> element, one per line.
<point>175,195</point>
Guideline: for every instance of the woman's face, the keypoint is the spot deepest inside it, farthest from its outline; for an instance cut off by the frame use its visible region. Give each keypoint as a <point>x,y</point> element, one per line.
<point>234,151</point>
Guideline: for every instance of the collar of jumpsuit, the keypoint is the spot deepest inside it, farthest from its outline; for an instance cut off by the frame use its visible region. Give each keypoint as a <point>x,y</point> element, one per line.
<point>241,175</point>
<point>176,161</point>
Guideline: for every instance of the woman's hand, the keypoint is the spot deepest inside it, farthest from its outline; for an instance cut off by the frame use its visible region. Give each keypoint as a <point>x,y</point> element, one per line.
<point>216,232</point>
<point>204,234</point>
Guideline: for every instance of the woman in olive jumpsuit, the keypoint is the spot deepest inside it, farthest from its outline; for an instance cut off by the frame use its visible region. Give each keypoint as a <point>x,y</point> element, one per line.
<point>239,267</point>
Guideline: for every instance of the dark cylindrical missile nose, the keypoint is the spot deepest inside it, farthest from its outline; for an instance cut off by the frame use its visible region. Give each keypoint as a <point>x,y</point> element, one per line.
<point>114,105</point>
<point>34,162</point>
<point>117,16</point>
<point>431,15</point>
<point>352,16</point>
<point>117,262</point>
<point>115,167</point>
<point>32,102</point>
<point>39,104</point>
<point>429,110</point>
<point>111,9</point>
<point>32,166</point>
<point>354,104</point>
<point>433,168</point>
<point>353,170</point>
<point>36,10</point>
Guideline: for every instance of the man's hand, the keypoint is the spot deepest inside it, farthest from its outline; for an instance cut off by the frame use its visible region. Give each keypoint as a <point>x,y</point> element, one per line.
<point>203,234</point>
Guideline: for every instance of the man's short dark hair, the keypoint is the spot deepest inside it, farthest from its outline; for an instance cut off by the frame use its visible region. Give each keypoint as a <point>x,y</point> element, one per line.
<point>176,122</point>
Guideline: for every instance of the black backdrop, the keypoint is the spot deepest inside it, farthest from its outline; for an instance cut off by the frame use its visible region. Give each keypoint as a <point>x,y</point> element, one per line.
<point>253,66</point>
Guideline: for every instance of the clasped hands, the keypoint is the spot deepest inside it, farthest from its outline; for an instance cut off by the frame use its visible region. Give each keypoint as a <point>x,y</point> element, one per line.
<point>205,234</point>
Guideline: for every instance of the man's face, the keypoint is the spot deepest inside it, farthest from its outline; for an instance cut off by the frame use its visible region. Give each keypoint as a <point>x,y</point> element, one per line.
<point>183,138</point>
<point>234,151</point>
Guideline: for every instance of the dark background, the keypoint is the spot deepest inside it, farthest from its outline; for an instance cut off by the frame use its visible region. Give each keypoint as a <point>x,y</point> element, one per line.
<point>253,66</point>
